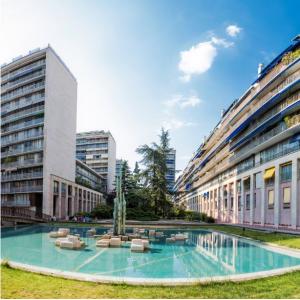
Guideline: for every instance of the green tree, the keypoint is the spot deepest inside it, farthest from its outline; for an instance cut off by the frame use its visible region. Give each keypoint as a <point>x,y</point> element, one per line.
<point>154,173</point>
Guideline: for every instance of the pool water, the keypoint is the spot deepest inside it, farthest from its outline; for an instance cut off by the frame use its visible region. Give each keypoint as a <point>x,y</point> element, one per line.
<point>204,254</point>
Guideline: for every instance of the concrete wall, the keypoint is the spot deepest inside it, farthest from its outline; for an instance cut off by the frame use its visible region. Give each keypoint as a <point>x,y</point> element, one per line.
<point>60,124</point>
<point>111,163</point>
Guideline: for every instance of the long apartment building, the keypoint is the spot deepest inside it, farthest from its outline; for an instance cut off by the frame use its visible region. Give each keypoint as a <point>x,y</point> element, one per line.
<point>97,149</point>
<point>38,136</point>
<point>248,169</point>
<point>171,169</point>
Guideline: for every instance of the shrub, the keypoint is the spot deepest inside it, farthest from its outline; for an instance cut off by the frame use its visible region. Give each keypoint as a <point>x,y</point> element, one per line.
<point>139,214</point>
<point>196,216</point>
<point>102,211</point>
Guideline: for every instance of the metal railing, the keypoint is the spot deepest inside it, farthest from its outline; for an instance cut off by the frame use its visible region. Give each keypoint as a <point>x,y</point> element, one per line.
<point>22,91</point>
<point>23,113</point>
<point>22,104</point>
<point>25,163</point>
<point>23,125</point>
<point>24,79</point>
<point>21,212</point>
<point>24,69</point>
<point>22,176</point>
<point>21,151</point>
<point>21,139</point>
<point>22,189</point>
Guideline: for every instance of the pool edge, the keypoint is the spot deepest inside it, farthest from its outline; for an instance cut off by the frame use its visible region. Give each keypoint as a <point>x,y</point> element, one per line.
<point>149,281</point>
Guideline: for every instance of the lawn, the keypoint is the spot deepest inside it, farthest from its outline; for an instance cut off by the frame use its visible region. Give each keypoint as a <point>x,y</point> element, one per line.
<point>281,239</point>
<point>21,284</point>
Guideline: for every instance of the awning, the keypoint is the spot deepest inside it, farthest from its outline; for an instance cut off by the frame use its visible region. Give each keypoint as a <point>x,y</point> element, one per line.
<point>269,173</point>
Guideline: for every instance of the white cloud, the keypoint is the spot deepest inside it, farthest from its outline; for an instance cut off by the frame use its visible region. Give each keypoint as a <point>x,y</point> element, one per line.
<point>199,58</point>
<point>183,102</point>
<point>177,124</point>
<point>221,42</point>
<point>233,30</point>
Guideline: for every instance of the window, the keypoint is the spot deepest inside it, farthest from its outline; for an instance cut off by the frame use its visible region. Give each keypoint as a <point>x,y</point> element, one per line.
<point>286,173</point>
<point>231,203</point>
<point>254,200</point>
<point>225,203</point>
<point>257,180</point>
<point>271,199</point>
<point>286,197</point>
<point>248,201</point>
<point>247,184</point>
<point>239,202</point>
<point>238,186</point>
<point>55,187</point>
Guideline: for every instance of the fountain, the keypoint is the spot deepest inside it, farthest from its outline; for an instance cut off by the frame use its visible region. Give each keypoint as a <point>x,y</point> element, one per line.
<point>119,208</point>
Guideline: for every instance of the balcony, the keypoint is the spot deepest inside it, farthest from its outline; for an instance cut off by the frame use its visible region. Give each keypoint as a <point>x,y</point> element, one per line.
<point>23,114</point>
<point>22,104</point>
<point>16,203</point>
<point>22,189</point>
<point>22,81</point>
<point>23,125</point>
<point>22,91</point>
<point>20,164</point>
<point>22,139</point>
<point>27,69</point>
<point>21,151</point>
<point>10,177</point>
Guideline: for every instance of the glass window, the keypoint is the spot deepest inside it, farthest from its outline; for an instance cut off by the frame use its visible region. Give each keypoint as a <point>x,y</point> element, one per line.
<point>254,200</point>
<point>257,180</point>
<point>286,173</point>
<point>271,198</point>
<point>286,197</point>
<point>248,201</point>
<point>239,202</point>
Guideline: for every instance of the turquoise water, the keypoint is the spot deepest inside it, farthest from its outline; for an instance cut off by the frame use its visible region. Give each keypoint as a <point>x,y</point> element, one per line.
<point>204,254</point>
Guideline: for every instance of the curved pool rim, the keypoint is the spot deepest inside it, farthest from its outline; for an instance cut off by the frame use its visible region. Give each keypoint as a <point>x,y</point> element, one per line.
<point>169,281</point>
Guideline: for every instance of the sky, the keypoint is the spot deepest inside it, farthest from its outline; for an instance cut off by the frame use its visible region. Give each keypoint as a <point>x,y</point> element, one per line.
<point>142,64</point>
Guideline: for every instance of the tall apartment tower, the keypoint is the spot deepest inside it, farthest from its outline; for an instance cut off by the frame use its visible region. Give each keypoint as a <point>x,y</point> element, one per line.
<point>38,126</point>
<point>171,166</point>
<point>97,149</point>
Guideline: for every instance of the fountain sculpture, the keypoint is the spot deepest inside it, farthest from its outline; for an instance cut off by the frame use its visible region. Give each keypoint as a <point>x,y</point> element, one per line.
<point>119,207</point>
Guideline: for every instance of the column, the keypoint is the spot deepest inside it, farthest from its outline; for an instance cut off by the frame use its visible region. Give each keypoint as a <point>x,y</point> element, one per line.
<point>276,196</point>
<point>58,201</point>
<point>221,204</point>
<point>294,194</point>
<point>252,177</point>
<point>242,200</point>
<point>235,209</point>
<point>263,200</point>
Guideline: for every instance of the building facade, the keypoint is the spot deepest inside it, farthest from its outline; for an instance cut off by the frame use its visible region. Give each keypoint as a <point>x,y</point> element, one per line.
<point>171,169</point>
<point>248,170</point>
<point>119,164</point>
<point>97,149</point>
<point>38,129</point>
<point>90,178</point>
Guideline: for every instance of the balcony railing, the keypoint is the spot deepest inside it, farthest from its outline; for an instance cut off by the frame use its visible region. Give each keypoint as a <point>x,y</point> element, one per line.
<point>21,105</point>
<point>23,69</point>
<point>22,125</point>
<point>21,212</point>
<point>20,164</point>
<point>15,203</point>
<point>23,176</point>
<point>22,80</point>
<point>265,137</point>
<point>23,114</point>
<point>22,189</point>
<point>22,91</point>
<point>21,151</point>
<point>22,138</point>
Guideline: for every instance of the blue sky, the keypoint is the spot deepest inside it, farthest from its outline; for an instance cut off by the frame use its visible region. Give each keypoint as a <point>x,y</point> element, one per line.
<point>143,64</point>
